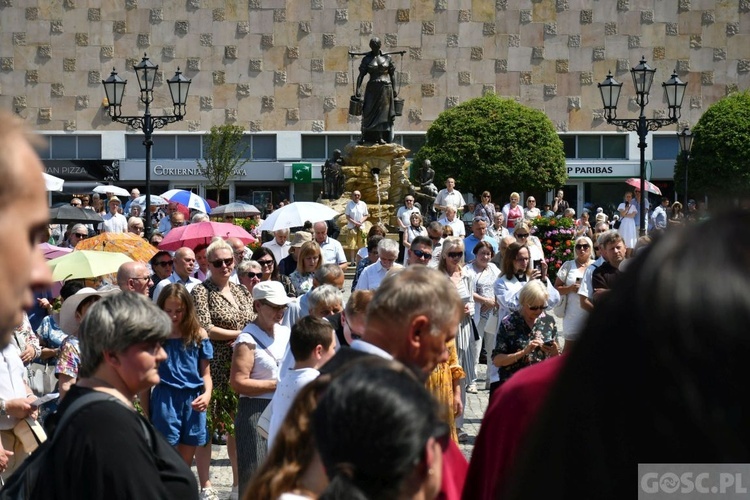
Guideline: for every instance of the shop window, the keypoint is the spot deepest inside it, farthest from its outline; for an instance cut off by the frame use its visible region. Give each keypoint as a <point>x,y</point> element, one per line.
<point>666,147</point>
<point>188,147</point>
<point>589,146</point>
<point>314,147</point>
<point>614,146</point>
<point>569,145</point>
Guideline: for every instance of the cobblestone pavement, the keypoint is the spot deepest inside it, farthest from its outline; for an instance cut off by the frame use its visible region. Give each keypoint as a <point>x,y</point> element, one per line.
<point>476,404</point>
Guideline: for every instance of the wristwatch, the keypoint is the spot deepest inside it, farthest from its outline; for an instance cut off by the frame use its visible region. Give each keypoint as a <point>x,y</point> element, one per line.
<point>3,412</point>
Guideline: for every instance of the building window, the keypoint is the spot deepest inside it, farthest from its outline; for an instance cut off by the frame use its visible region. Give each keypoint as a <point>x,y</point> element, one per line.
<point>595,147</point>
<point>666,147</point>
<point>614,146</point>
<point>134,147</point>
<point>589,147</point>
<point>188,147</point>
<point>412,142</point>
<point>569,145</point>
<point>71,147</point>
<point>163,148</point>
<point>263,147</point>
<point>321,146</point>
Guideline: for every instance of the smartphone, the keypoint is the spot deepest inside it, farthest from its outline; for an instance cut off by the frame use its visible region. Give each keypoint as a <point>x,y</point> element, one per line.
<point>549,343</point>
<point>578,281</point>
<point>538,264</point>
<point>43,399</point>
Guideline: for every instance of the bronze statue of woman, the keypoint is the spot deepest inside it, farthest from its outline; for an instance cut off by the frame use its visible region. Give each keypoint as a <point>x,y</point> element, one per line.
<point>378,111</point>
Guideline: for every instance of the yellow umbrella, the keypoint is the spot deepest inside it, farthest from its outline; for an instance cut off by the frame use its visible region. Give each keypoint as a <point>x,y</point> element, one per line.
<point>129,244</point>
<point>86,264</point>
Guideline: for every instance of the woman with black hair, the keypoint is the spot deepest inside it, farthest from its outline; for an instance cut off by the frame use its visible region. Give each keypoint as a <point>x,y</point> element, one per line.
<point>379,436</point>
<point>659,375</point>
<point>268,265</point>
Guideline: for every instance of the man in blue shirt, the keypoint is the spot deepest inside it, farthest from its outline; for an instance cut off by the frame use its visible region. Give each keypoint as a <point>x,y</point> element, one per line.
<point>478,233</point>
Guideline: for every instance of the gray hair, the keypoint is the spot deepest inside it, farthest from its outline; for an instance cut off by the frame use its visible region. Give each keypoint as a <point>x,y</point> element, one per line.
<point>387,246</point>
<point>533,291</point>
<point>199,217</point>
<point>246,265</point>
<point>76,227</point>
<point>117,322</point>
<point>218,244</point>
<point>284,232</point>
<point>324,294</point>
<point>413,292</point>
<point>327,273</point>
<point>607,238</point>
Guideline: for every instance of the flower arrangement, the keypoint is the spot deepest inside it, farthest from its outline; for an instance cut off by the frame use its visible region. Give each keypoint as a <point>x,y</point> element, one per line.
<point>249,225</point>
<point>557,237</point>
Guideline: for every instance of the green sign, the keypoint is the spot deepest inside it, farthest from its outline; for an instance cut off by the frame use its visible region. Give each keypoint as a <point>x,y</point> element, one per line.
<point>302,173</point>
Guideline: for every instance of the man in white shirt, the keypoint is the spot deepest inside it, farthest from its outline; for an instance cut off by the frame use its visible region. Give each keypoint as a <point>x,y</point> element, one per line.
<point>23,213</point>
<point>498,230</point>
<point>356,215</point>
<point>403,216</point>
<point>333,252</point>
<point>372,275</point>
<point>454,222</point>
<point>435,233</point>
<point>134,277</point>
<point>114,221</point>
<point>449,197</point>
<point>279,245</point>
<point>184,266</point>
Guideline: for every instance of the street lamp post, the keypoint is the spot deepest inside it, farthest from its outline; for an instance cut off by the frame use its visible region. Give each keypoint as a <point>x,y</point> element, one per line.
<point>685,138</point>
<point>145,71</point>
<point>643,77</point>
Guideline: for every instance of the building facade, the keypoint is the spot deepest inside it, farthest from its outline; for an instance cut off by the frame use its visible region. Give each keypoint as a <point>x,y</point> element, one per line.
<point>281,69</point>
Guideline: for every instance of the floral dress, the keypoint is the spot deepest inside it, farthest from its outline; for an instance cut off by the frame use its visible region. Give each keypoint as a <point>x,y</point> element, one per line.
<point>514,335</point>
<point>213,309</point>
<point>440,384</point>
<point>302,282</point>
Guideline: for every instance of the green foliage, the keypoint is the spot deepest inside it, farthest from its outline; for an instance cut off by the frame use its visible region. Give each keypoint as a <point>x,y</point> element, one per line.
<point>557,237</point>
<point>223,156</point>
<point>720,155</point>
<point>495,144</point>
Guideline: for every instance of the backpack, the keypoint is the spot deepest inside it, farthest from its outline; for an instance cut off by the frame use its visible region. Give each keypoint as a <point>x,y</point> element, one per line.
<point>27,478</point>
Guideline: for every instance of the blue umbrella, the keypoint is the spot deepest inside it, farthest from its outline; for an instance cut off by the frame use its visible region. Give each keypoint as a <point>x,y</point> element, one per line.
<point>187,198</point>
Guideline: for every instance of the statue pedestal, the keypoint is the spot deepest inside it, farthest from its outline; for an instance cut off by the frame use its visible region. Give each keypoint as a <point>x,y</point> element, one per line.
<point>392,183</point>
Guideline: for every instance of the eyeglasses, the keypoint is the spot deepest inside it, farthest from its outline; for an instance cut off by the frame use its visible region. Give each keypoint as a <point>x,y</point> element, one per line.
<point>252,275</point>
<point>80,235</point>
<point>147,278</point>
<point>355,335</point>
<point>537,308</point>
<point>75,204</point>
<point>178,223</point>
<point>218,263</point>
<point>409,201</point>
<point>422,254</point>
<point>519,235</point>
<point>455,255</point>
<point>273,306</point>
<point>531,201</point>
<point>582,247</point>
<point>164,263</point>
<point>485,196</point>
<point>265,263</point>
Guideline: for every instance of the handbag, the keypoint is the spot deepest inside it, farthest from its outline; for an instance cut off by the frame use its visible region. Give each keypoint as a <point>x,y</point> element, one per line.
<point>559,309</point>
<point>492,322</point>
<point>42,378</point>
<point>264,422</point>
<point>30,434</point>
<point>617,223</point>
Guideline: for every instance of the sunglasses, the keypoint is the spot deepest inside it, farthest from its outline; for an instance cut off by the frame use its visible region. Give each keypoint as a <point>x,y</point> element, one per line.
<point>265,262</point>
<point>455,255</point>
<point>80,235</point>
<point>524,235</point>
<point>164,263</point>
<point>582,247</point>
<point>422,255</point>
<point>75,204</point>
<point>273,306</point>
<point>537,308</point>
<point>252,275</point>
<point>218,263</point>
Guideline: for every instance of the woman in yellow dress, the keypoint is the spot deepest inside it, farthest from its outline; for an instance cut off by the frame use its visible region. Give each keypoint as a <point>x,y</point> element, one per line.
<point>443,383</point>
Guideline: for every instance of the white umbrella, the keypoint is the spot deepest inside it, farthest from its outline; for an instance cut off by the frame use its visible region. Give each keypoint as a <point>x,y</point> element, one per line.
<point>155,200</point>
<point>238,209</point>
<point>296,214</point>
<point>117,191</point>
<point>52,183</point>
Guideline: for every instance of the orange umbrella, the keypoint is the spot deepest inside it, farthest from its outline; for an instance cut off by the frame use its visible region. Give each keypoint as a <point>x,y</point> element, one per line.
<point>129,244</point>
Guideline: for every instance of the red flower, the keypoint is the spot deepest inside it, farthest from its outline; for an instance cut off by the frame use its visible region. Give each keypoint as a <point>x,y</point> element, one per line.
<point>552,222</point>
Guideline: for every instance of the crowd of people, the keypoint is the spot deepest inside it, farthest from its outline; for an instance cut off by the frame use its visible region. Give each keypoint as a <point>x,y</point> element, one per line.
<point>318,398</point>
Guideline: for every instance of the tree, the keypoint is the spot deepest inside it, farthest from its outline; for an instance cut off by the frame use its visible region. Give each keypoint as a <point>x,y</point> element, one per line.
<point>495,144</point>
<point>720,156</point>
<point>223,152</point>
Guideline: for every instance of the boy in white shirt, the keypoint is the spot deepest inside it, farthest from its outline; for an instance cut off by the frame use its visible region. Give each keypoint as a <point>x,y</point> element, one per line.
<point>312,345</point>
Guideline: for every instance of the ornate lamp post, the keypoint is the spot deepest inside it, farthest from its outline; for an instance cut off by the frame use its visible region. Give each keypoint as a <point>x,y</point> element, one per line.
<point>643,77</point>
<point>685,138</point>
<point>145,71</point>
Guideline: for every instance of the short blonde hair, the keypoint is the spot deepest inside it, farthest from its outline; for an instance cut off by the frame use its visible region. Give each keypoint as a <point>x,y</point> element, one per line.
<point>450,243</point>
<point>216,245</point>
<point>533,292</point>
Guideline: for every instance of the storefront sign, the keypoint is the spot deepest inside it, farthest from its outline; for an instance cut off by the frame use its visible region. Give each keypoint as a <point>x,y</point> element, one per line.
<point>82,170</point>
<point>602,169</point>
<point>181,170</point>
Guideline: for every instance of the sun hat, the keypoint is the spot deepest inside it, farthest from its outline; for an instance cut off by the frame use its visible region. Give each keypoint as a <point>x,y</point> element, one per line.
<point>68,323</point>
<point>300,238</point>
<point>115,199</point>
<point>271,291</point>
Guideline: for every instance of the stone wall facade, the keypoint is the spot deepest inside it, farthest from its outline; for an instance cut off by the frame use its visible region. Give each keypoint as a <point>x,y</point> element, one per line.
<point>282,65</point>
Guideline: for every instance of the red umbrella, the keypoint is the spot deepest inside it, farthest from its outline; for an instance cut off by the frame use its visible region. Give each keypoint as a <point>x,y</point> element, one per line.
<point>636,183</point>
<point>193,235</point>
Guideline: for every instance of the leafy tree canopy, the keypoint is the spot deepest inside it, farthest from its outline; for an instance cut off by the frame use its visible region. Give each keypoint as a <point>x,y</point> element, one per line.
<point>223,153</point>
<point>495,144</point>
<point>720,156</point>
